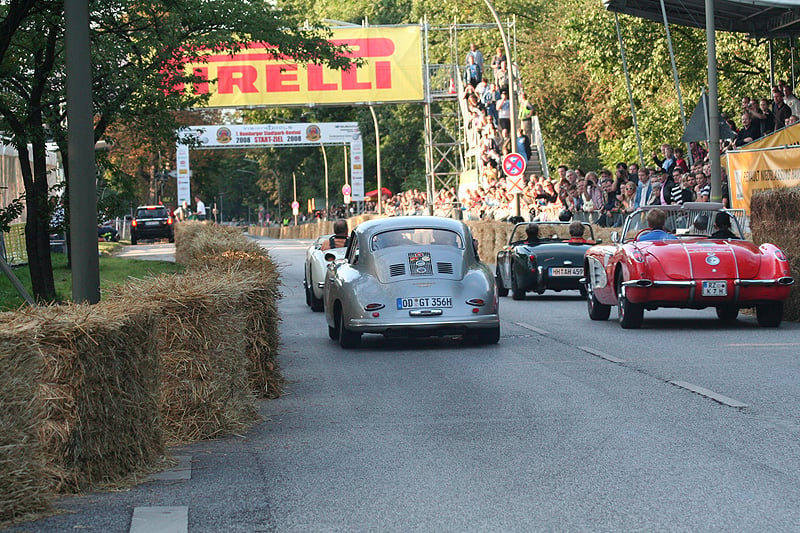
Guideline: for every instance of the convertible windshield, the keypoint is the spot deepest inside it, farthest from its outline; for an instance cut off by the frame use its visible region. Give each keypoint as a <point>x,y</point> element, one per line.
<point>411,236</point>
<point>683,222</point>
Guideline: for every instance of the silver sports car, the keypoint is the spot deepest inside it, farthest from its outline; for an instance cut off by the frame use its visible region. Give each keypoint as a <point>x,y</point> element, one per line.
<point>411,276</point>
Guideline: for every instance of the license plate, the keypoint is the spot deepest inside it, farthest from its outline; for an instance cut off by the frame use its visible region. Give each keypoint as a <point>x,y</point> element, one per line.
<point>419,302</point>
<point>715,288</point>
<point>565,271</point>
<point>152,223</point>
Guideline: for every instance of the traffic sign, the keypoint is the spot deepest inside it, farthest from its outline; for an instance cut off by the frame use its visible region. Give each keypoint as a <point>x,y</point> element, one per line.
<point>513,165</point>
<point>346,190</point>
<point>295,205</point>
<point>516,184</point>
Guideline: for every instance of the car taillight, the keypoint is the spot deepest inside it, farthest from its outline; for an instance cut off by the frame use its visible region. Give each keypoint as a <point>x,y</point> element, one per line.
<point>133,223</point>
<point>373,307</point>
<point>780,255</point>
<point>476,301</point>
<point>169,220</point>
<point>532,258</point>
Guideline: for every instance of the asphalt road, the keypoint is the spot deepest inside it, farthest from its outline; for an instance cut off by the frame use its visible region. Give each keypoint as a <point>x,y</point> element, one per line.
<point>565,425</point>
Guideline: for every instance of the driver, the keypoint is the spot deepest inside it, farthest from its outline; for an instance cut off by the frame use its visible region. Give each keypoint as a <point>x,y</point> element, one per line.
<point>339,238</point>
<point>722,224</point>
<point>532,233</point>
<point>656,218</point>
<point>576,230</point>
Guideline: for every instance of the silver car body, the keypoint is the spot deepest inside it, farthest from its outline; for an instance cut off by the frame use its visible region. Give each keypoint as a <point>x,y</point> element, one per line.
<point>407,276</point>
<point>316,266</point>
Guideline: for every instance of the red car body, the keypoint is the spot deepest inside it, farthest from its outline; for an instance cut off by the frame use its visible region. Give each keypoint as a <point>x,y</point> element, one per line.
<point>693,270</point>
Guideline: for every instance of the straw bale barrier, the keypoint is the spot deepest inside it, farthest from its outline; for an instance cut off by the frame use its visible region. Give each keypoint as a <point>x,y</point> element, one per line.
<point>775,218</point>
<point>79,401</point>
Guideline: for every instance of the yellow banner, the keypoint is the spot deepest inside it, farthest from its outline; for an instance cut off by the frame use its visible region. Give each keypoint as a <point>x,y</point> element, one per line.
<point>750,171</point>
<point>392,72</point>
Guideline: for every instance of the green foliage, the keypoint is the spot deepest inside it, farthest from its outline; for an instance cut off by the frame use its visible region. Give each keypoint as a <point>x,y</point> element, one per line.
<point>9,213</point>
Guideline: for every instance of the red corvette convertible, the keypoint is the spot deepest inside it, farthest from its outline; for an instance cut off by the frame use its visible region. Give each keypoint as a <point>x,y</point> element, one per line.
<point>699,259</point>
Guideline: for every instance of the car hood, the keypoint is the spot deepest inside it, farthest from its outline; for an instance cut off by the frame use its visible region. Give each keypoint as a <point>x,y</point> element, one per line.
<point>705,258</point>
<point>419,262</point>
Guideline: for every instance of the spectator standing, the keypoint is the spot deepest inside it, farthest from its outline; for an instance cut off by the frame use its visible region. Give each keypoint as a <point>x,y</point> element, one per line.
<point>523,144</point>
<point>790,100</point>
<point>702,187</point>
<point>183,212</point>
<point>668,163</point>
<point>472,72</point>
<point>498,58</point>
<point>525,115</point>
<point>633,172</point>
<point>749,131</point>
<point>503,111</point>
<point>644,188</point>
<point>476,55</point>
<point>199,208</point>
<point>766,119</point>
<point>680,162</point>
<point>699,153</point>
<point>780,110</point>
<point>503,77</point>
<point>489,99</point>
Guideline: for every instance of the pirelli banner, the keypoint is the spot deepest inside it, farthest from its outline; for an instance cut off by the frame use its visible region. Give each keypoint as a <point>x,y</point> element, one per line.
<point>391,72</point>
<point>769,163</point>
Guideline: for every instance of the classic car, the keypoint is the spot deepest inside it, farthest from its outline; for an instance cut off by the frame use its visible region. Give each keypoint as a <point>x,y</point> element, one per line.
<point>411,276</point>
<point>316,265</point>
<point>554,261</point>
<point>692,269</point>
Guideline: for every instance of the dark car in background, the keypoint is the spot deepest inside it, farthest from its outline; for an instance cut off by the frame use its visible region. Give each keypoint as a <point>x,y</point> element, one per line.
<point>152,222</point>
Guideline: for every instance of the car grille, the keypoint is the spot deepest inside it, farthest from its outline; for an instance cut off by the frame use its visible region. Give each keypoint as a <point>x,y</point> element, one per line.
<point>397,270</point>
<point>444,268</point>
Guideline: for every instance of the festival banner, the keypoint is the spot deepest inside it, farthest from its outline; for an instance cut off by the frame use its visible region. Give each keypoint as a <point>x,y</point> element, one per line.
<point>391,72</point>
<point>755,170</point>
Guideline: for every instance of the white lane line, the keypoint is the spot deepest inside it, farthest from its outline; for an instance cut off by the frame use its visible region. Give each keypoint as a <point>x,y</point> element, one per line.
<point>710,394</point>
<point>601,355</point>
<point>764,345</point>
<point>533,328</point>
<point>160,520</point>
<point>180,472</point>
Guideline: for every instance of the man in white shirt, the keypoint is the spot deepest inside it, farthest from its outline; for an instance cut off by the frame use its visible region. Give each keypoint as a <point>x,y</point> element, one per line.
<point>200,208</point>
<point>643,189</point>
<point>790,100</point>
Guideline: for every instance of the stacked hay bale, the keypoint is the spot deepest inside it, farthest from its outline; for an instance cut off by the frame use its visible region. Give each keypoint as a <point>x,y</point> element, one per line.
<point>84,381</point>
<point>775,218</point>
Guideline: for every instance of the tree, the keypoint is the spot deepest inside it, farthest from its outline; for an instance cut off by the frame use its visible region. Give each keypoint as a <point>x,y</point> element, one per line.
<point>135,46</point>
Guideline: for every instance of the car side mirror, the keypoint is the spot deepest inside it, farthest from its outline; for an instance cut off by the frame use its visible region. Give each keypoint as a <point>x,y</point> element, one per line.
<point>614,237</point>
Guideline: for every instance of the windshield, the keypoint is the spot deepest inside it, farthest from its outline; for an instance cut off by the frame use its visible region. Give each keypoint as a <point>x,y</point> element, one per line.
<point>683,222</point>
<point>152,212</point>
<point>558,231</point>
<point>409,236</point>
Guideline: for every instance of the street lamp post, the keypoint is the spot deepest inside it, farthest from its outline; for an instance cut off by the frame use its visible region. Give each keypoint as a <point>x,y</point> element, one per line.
<point>325,159</point>
<point>378,158</point>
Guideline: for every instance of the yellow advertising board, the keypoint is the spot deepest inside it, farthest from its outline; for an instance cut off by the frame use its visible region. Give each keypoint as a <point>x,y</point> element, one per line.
<point>769,163</point>
<point>392,72</point>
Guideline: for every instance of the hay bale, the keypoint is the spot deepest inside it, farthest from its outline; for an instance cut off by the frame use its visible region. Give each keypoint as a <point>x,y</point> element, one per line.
<point>98,384</point>
<point>775,218</point>
<point>202,334</point>
<point>24,487</point>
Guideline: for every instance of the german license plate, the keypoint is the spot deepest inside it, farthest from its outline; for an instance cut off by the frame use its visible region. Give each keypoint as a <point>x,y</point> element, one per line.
<point>420,302</point>
<point>715,288</point>
<point>152,223</point>
<point>566,271</point>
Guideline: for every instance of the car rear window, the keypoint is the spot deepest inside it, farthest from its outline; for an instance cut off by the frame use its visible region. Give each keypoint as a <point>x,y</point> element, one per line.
<point>415,236</point>
<point>156,212</point>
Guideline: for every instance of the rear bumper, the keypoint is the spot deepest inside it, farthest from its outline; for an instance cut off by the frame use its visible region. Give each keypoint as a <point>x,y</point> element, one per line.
<point>688,293</point>
<point>424,325</point>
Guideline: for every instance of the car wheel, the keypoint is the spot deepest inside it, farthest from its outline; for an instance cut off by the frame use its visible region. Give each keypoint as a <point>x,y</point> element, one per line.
<point>134,241</point>
<point>317,305</point>
<point>502,290</point>
<point>347,339</point>
<point>727,313</point>
<point>630,315</point>
<point>597,311</point>
<point>308,292</point>
<point>516,292</point>
<point>171,238</point>
<point>769,315</point>
<point>332,333</point>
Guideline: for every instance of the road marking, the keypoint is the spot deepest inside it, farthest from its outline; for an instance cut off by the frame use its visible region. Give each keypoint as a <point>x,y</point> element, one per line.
<point>533,328</point>
<point>160,520</point>
<point>180,472</point>
<point>765,345</point>
<point>710,394</point>
<point>601,355</point>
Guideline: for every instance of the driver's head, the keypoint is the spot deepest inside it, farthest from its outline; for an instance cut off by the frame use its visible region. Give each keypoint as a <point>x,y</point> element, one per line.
<point>340,227</point>
<point>532,231</point>
<point>701,223</point>
<point>723,221</point>
<point>576,229</point>
<point>656,218</point>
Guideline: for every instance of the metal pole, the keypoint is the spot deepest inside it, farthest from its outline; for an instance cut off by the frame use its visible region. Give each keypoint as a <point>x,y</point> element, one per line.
<point>82,170</point>
<point>675,77</point>
<point>630,93</point>
<point>713,105</point>
<point>378,158</point>
<point>512,106</point>
<point>294,195</point>
<point>325,158</point>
